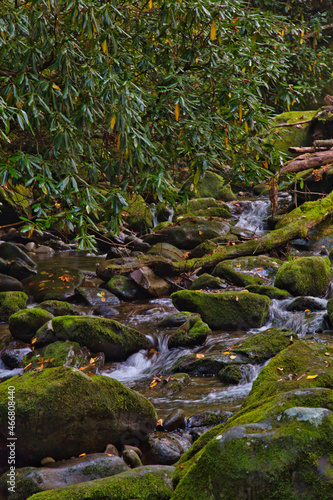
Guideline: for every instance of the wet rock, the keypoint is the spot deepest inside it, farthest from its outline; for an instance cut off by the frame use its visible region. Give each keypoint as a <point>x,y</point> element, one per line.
<point>134,448</point>
<point>9,251</point>
<point>45,335</point>
<point>211,185</point>
<point>165,448</point>
<point>206,282</point>
<point>131,458</point>
<point>24,324</point>
<point>59,308</point>
<point>32,480</point>
<point>303,303</point>
<point>189,233</point>
<point>123,287</point>
<point>20,270</point>
<point>125,266</point>
<point>330,311</point>
<point>175,420</point>
<point>193,332</point>
<point>204,207</point>
<point>305,276</point>
<point>80,413</point>
<point>9,284</point>
<point>211,246</point>
<point>135,244</point>
<point>111,450</point>
<point>168,251</point>
<point>231,374</point>
<point>270,291</point>
<point>141,482</point>
<point>96,297</point>
<point>197,367</point>
<point>208,418</point>
<point>105,311</point>
<point>152,284</point>
<point>170,384</point>
<point>54,284</point>
<point>175,319</point>
<point>247,270</point>
<point>11,302</point>
<point>13,355</point>
<point>225,310</point>
<point>116,340</point>
<point>44,250</point>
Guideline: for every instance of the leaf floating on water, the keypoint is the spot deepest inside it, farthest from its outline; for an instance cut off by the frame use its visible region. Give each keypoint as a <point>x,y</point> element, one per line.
<point>65,277</point>
<point>310,377</point>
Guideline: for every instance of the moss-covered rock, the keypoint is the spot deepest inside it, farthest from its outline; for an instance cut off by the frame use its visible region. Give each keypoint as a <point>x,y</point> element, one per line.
<point>301,365</point>
<point>248,270</point>
<point>151,482</point>
<point>11,302</point>
<point>270,291</point>
<point>230,374</point>
<point>139,218</point>
<point>59,308</point>
<point>16,201</point>
<point>123,287</point>
<point>204,207</point>
<point>306,304</point>
<point>193,332</point>
<point>166,250</point>
<point>30,480</point>
<point>54,284</point>
<point>305,276</point>
<point>330,310</point>
<point>225,310</point>
<point>116,340</point>
<point>61,412</point>
<point>211,185</point>
<point>212,246</point>
<point>207,281</point>
<point>24,324</point>
<point>289,136</point>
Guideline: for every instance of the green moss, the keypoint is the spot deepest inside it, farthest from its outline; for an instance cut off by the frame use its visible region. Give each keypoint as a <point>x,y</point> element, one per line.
<point>193,332</point>
<point>139,216</point>
<point>305,276</point>
<point>247,270</point>
<point>230,374</point>
<point>226,310</point>
<point>58,354</point>
<point>211,186</point>
<point>116,340</point>
<point>291,136</point>
<point>58,307</point>
<point>270,291</point>
<point>144,483</point>
<point>206,281</point>
<point>11,302</point>
<point>289,370</point>
<point>24,324</point>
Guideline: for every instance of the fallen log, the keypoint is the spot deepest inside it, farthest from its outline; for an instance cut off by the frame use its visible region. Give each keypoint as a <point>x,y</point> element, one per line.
<point>296,224</point>
<point>308,160</point>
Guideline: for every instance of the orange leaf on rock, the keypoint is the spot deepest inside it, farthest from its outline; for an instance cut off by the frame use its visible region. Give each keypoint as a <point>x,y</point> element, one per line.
<point>200,356</point>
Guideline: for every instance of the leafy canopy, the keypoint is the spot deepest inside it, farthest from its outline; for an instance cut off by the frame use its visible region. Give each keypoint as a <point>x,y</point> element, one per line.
<point>97,98</point>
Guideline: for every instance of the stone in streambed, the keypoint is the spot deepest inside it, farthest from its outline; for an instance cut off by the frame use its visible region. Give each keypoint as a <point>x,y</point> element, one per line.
<point>193,332</point>
<point>9,251</point>
<point>10,284</point>
<point>165,448</point>
<point>11,302</point>
<point>225,310</point>
<point>24,324</point>
<point>245,271</point>
<point>30,480</point>
<point>123,287</point>
<point>197,367</point>
<point>131,458</point>
<point>211,185</point>
<point>310,303</point>
<point>151,482</point>
<point>59,308</point>
<point>168,251</point>
<point>175,420</point>
<point>61,412</point>
<point>116,340</point>
<point>270,291</point>
<point>95,297</point>
<point>54,284</point>
<point>305,276</point>
<point>207,281</point>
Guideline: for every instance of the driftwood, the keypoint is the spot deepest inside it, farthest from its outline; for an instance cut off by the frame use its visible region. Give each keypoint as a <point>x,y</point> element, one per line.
<point>306,149</point>
<point>324,143</point>
<point>307,160</point>
<point>296,224</point>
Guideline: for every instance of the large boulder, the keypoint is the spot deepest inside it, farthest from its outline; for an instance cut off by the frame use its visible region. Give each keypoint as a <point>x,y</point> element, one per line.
<point>253,270</point>
<point>225,310</point>
<point>11,302</point>
<point>211,185</point>
<point>62,412</point>
<point>116,340</point>
<point>305,276</point>
<point>54,284</point>
<point>24,324</point>
<point>152,482</point>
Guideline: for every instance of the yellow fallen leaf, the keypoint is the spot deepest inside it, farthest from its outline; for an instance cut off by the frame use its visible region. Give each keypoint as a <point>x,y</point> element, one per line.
<point>238,265</point>
<point>233,357</point>
<point>307,310</point>
<point>278,368</point>
<point>56,87</point>
<point>213,30</point>
<point>177,110</point>
<point>226,352</point>
<point>200,232</point>
<point>309,377</point>
<point>200,356</point>
<point>82,455</point>
<point>34,340</point>
<point>153,383</point>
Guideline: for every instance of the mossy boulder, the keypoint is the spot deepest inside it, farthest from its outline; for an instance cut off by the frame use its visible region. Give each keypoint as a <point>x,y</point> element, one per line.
<point>116,340</point>
<point>54,284</point>
<point>192,332</point>
<point>24,324</point>
<point>307,304</point>
<point>30,480</point>
<point>166,250</point>
<point>123,287</point>
<point>11,302</point>
<point>151,482</point>
<point>225,310</point>
<point>211,185</point>
<point>245,271</point>
<point>59,308</point>
<point>138,214</point>
<point>303,364</point>
<point>207,281</point>
<point>212,246</point>
<point>62,412</point>
<point>305,276</point>
<point>290,136</point>
<point>287,456</point>
<point>270,291</point>
<point>330,311</point>
<point>171,384</point>
<point>204,207</point>
<point>230,374</point>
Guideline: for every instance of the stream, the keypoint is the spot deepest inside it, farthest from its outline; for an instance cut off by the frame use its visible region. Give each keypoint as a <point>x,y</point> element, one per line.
<point>202,393</point>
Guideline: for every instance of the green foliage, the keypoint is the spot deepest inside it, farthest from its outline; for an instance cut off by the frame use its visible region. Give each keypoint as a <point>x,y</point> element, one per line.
<point>102,97</point>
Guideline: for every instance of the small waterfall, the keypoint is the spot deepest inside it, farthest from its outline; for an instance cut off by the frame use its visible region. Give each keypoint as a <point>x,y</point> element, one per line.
<point>153,214</point>
<point>170,211</point>
<point>254,214</point>
<point>302,323</point>
<point>6,373</point>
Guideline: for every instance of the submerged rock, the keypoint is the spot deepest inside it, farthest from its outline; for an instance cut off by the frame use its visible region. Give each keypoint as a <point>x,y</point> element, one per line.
<point>61,412</point>
<point>225,310</point>
<point>305,276</point>
<point>54,284</point>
